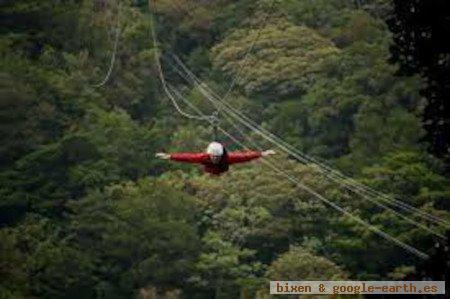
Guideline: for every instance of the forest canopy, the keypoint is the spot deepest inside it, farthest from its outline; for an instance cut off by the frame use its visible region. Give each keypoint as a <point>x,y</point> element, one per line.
<point>87,211</point>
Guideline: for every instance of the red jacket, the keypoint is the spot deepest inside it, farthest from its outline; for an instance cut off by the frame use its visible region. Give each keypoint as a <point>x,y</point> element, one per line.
<point>219,168</point>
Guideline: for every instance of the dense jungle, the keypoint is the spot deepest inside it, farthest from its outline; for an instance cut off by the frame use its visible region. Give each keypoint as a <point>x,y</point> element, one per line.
<point>354,96</point>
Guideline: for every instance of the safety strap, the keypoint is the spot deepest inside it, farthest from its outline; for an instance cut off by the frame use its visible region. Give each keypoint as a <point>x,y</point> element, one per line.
<point>215,124</point>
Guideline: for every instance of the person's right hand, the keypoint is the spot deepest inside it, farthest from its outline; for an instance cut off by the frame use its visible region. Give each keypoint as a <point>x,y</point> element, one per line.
<point>163,156</point>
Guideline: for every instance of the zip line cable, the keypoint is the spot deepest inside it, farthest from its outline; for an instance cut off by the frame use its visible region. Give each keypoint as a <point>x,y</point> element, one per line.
<point>162,78</point>
<point>346,181</point>
<point>203,117</point>
<point>215,99</point>
<point>114,51</point>
<point>407,219</point>
<point>372,199</point>
<point>332,204</point>
<point>381,205</point>
<point>343,179</point>
<point>236,78</point>
<point>299,184</point>
<point>369,226</point>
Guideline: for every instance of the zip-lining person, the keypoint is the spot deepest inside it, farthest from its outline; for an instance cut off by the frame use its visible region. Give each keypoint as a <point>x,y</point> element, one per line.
<point>216,160</point>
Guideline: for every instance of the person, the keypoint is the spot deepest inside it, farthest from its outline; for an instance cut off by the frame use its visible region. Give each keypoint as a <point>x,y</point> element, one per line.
<point>216,160</point>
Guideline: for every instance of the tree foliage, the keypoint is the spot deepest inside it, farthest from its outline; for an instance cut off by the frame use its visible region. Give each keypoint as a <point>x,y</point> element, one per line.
<point>278,59</point>
<point>87,211</point>
<point>298,263</point>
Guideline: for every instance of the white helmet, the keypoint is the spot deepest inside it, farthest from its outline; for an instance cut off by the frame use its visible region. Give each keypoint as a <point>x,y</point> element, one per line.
<point>215,149</point>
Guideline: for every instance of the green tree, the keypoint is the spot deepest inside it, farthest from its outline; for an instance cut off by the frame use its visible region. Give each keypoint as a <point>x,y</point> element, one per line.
<point>299,264</point>
<point>279,58</point>
<point>18,134</point>
<point>222,266</point>
<point>343,108</point>
<point>42,254</point>
<point>107,148</point>
<point>139,234</point>
<point>419,176</point>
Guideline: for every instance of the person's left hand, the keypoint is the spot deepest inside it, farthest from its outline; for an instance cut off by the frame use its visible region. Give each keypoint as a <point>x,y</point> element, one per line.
<point>267,153</point>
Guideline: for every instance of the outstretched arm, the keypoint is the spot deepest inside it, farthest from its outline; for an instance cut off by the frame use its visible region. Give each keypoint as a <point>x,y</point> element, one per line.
<point>184,157</point>
<point>240,157</point>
